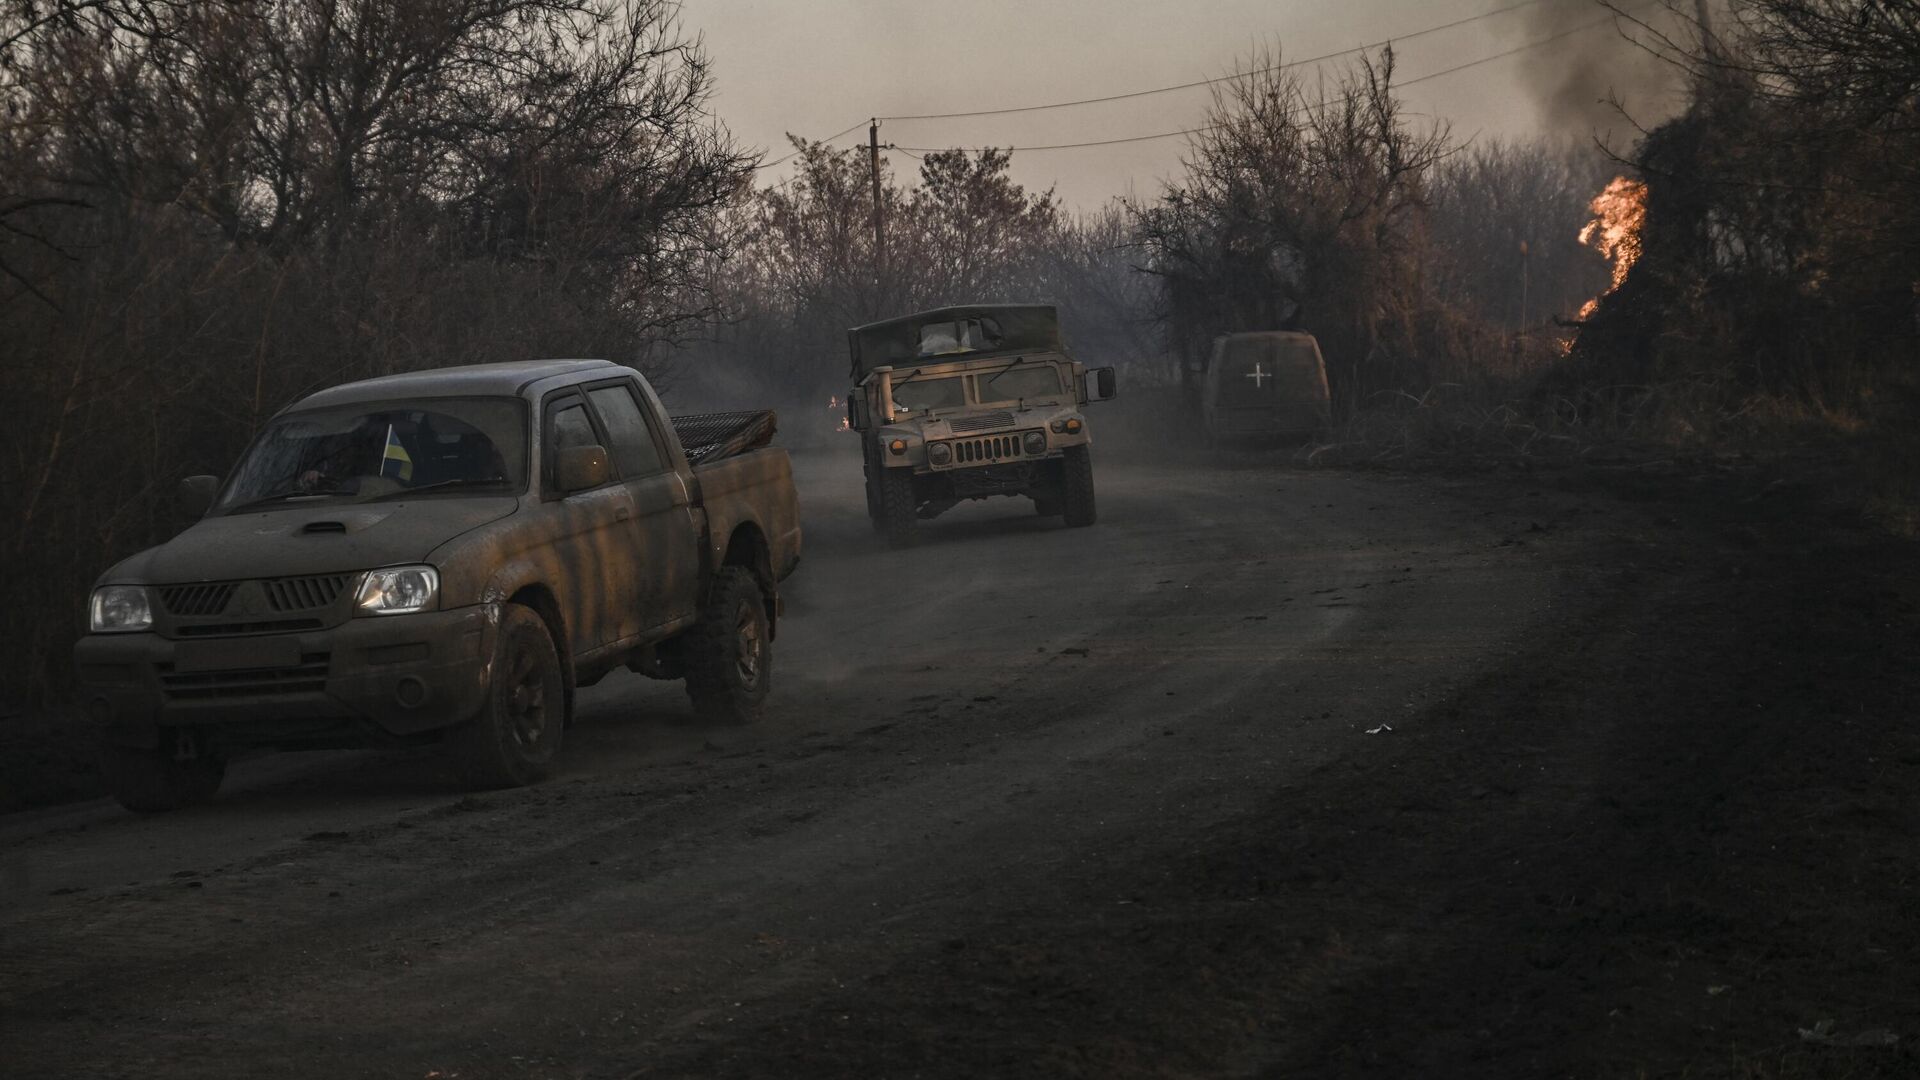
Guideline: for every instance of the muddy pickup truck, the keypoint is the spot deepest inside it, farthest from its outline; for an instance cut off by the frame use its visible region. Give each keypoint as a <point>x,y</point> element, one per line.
<point>443,557</point>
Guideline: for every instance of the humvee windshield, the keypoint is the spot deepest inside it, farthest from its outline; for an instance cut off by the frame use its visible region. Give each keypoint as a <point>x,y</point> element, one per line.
<point>916,394</point>
<point>1020,383</point>
<point>373,450</point>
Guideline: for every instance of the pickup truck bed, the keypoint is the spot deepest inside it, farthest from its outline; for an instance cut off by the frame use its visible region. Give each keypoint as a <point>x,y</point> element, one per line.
<point>708,437</point>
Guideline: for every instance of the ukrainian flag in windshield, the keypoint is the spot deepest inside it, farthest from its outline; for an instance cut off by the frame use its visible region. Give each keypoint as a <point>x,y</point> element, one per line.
<point>396,461</point>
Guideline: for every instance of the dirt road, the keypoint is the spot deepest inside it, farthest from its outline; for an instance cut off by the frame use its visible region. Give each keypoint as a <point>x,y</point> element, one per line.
<point>1156,797</point>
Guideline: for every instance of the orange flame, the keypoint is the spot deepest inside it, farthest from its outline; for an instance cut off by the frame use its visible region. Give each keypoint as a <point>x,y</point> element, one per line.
<point>1618,214</point>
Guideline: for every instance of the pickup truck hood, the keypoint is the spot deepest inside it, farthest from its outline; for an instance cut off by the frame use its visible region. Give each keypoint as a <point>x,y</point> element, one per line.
<point>310,540</point>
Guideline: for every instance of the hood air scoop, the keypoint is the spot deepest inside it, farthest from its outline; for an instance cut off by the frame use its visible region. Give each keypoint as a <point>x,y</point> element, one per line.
<point>312,527</point>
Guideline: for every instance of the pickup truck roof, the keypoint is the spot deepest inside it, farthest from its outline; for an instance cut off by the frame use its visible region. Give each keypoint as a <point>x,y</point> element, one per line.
<point>475,380</point>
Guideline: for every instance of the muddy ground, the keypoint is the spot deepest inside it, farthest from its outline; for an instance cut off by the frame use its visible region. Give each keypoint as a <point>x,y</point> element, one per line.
<point>1607,772</point>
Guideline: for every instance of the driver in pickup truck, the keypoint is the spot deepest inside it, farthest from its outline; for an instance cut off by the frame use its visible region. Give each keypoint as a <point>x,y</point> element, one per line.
<point>343,461</point>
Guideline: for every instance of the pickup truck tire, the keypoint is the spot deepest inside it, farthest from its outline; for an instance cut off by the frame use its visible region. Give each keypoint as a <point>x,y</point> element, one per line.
<point>729,650</point>
<point>513,741</point>
<point>1076,482</point>
<point>897,507</point>
<point>149,781</point>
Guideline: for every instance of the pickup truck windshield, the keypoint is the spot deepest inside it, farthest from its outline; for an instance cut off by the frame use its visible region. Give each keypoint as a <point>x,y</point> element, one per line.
<point>386,449</point>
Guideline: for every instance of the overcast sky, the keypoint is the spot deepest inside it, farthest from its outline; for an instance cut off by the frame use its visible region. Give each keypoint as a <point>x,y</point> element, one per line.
<point>815,67</point>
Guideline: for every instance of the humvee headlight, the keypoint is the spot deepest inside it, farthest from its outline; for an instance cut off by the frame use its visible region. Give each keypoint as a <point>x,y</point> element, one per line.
<point>119,609</point>
<point>1035,442</point>
<point>939,453</point>
<point>898,446</point>
<point>398,590</point>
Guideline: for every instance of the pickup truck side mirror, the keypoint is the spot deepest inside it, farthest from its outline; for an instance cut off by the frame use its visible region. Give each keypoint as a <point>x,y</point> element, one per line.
<point>857,410</point>
<point>1104,386</point>
<point>579,468</point>
<point>195,497</point>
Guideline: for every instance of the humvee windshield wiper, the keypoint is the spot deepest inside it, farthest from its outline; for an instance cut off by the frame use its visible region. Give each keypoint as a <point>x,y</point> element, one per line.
<point>1017,361</point>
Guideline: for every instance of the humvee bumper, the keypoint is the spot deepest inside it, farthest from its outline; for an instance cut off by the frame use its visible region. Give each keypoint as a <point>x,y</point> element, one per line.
<point>366,681</point>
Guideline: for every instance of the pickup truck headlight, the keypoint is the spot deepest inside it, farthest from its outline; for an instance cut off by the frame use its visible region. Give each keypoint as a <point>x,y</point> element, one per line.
<point>120,608</point>
<point>398,590</point>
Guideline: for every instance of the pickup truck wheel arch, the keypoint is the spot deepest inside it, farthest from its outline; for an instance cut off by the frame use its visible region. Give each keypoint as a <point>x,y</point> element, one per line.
<point>542,601</point>
<point>747,548</point>
<point>729,651</point>
<point>517,734</point>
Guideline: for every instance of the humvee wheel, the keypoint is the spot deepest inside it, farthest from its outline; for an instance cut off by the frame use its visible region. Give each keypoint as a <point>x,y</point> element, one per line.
<point>513,741</point>
<point>149,781</point>
<point>730,650</point>
<point>870,468</point>
<point>897,508</point>
<point>1077,486</point>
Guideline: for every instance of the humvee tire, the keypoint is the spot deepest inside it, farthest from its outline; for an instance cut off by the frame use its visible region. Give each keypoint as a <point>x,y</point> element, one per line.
<point>1076,474</point>
<point>149,781</point>
<point>729,651</point>
<point>896,507</point>
<point>513,741</point>
<point>869,468</point>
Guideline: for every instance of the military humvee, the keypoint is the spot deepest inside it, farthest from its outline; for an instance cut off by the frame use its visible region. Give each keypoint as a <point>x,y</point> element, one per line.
<point>967,402</point>
<point>1267,387</point>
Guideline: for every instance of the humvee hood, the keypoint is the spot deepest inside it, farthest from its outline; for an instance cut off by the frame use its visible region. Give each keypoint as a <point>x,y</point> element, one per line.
<point>311,540</point>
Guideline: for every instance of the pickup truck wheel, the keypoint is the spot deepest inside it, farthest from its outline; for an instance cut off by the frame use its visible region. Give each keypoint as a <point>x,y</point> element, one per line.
<point>513,741</point>
<point>730,651</point>
<point>1077,486</point>
<point>897,507</point>
<point>150,781</point>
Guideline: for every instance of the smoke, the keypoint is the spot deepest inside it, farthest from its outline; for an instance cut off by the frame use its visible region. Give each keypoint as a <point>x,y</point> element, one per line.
<point>1605,82</point>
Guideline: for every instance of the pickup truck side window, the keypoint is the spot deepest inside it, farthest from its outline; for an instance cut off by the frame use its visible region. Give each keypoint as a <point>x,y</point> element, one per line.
<point>567,425</point>
<point>633,446</point>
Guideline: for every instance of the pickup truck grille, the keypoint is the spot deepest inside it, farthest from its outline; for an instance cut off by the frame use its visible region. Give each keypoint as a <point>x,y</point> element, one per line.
<point>981,422</point>
<point>281,595</point>
<point>209,598</point>
<point>304,593</point>
<point>309,676</point>
<point>991,448</point>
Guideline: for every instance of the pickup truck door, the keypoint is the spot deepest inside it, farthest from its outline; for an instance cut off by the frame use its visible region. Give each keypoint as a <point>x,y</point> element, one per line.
<point>594,577</point>
<point>666,539</point>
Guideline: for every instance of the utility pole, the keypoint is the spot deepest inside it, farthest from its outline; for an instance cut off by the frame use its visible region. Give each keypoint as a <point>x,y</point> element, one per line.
<point>879,208</point>
<point>1523,286</point>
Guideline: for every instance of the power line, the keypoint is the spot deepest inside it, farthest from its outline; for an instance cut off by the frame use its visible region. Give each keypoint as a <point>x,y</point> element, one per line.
<point>1307,108</point>
<point>789,157</point>
<point>1223,78</point>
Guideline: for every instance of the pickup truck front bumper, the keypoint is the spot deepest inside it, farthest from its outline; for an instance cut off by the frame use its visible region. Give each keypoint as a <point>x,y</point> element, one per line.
<point>366,681</point>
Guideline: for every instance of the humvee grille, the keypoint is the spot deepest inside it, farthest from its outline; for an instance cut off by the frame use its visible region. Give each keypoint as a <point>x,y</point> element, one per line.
<point>992,448</point>
<point>982,421</point>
